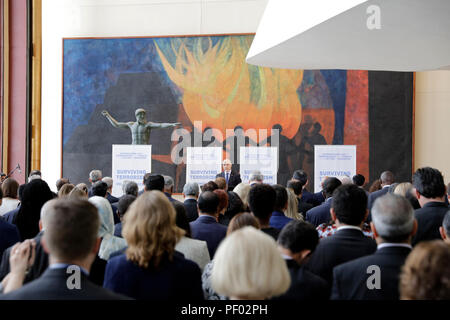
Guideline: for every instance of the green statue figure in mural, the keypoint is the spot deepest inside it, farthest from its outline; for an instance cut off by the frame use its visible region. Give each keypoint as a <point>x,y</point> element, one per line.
<point>140,130</point>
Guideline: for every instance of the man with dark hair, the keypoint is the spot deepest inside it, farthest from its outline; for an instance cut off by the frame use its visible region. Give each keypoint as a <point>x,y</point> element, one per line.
<point>376,276</point>
<point>278,220</point>
<point>296,242</point>
<point>387,179</point>
<point>321,214</point>
<point>100,189</point>
<point>359,180</point>
<point>314,199</point>
<point>148,174</point>
<point>430,192</point>
<point>297,188</point>
<point>261,200</point>
<point>209,186</point>
<point>154,182</point>
<point>122,207</point>
<point>445,228</point>
<point>206,227</point>
<point>349,211</point>
<point>71,240</point>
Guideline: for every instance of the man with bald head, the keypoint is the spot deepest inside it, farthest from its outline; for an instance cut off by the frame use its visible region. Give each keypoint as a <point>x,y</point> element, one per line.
<point>387,178</point>
<point>231,177</point>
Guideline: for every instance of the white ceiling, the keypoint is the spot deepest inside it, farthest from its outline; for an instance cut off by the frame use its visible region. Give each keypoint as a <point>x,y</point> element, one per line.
<point>414,35</point>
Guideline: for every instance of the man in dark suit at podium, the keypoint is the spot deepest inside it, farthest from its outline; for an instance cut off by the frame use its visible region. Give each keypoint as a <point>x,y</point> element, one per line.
<point>232,178</point>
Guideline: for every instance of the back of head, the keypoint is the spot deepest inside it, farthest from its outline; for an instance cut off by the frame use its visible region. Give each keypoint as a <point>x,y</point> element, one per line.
<point>148,174</point>
<point>358,179</point>
<point>168,183</point>
<point>108,181</point>
<point>429,182</point>
<point>71,228</point>
<point>446,223</point>
<point>100,189</point>
<point>34,174</point>
<point>65,190</point>
<point>256,176</point>
<point>241,220</point>
<point>181,218</point>
<point>221,183</point>
<point>131,188</point>
<point>191,189</point>
<point>106,215</point>
<point>387,178</point>
<point>223,199</point>
<point>210,186</point>
<point>298,236</point>
<point>77,193</point>
<point>375,186</point>
<point>261,200</point>
<point>331,184</point>
<point>292,206</point>
<point>61,182</point>
<point>95,175</point>
<point>154,182</point>
<point>242,190</point>
<point>296,186</point>
<point>10,188</point>
<point>83,187</point>
<point>150,229</point>
<point>124,203</point>
<point>300,176</point>
<point>235,204</point>
<point>20,191</point>
<point>350,204</point>
<point>241,260</point>
<point>393,217</point>
<point>208,202</point>
<point>281,198</point>
<point>345,180</point>
<point>425,274</point>
<point>403,188</point>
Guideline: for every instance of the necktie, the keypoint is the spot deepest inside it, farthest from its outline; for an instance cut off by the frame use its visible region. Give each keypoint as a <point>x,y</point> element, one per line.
<point>226,177</point>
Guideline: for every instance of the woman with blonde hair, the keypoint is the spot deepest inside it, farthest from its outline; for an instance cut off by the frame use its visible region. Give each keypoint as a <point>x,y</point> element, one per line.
<point>292,208</point>
<point>65,190</point>
<point>248,266</point>
<point>110,243</point>
<point>151,269</point>
<point>242,190</point>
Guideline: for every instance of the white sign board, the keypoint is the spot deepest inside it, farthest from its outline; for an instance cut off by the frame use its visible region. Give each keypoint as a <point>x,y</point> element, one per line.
<point>264,159</point>
<point>130,162</point>
<point>203,164</point>
<point>333,161</point>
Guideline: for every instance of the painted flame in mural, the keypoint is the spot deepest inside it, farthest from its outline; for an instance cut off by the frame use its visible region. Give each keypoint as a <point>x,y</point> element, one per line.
<point>223,91</point>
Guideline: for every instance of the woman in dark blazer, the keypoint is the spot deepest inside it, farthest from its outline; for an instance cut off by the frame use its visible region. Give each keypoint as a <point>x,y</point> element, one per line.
<point>151,269</point>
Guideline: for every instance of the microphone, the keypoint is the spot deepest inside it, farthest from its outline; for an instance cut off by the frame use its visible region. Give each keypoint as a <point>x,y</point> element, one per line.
<point>18,168</point>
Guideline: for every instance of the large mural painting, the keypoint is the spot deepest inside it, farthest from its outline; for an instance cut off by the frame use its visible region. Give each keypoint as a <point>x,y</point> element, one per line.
<point>205,84</point>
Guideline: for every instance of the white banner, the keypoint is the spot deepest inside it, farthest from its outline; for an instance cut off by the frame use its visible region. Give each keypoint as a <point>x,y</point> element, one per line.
<point>264,159</point>
<point>333,161</point>
<point>203,164</point>
<point>130,162</point>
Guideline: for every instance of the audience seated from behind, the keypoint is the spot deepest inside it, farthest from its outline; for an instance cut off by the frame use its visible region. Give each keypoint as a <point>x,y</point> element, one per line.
<point>393,226</point>
<point>100,189</point>
<point>297,189</point>
<point>237,222</point>
<point>154,182</point>
<point>190,193</point>
<point>278,220</point>
<point>430,192</point>
<point>110,243</point>
<point>387,179</point>
<point>235,206</point>
<point>321,213</point>
<point>10,201</point>
<point>11,215</point>
<point>9,234</point>
<point>406,190</point>
<point>192,249</point>
<point>444,230</point>
<point>60,183</point>
<point>349,211</point>
<point>209,186</point>
<point>375,186</point>
<point>242,190</point>
<point>206,227</point>
<point>35,194</point>
<point>221,183</point>
<point>296,242</point>
<point>426,275</point>
<point>151,269</point>
<point>261,200</point>
<point>314,199</point>
<point>168,188</point>
<point>83,187</point>
<point>65,190</point>
<point>94,176</point>
<point>223,204</point>
<point>71,239</point>
<point>122,207</point>
<point>292,207</point>
<point>242,258</point>
<point>77,193</point>
<point>109,182</point>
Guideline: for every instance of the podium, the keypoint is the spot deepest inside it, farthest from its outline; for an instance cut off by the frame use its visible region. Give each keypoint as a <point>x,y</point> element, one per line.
<point>130,162</point>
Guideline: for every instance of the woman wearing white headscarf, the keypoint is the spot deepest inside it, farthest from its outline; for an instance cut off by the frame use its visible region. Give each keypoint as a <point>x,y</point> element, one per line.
<point>110,243</point>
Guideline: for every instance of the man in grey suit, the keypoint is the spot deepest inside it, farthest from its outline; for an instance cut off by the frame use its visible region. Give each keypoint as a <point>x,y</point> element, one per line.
<point>387,179</point>
<point>71,239</point>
